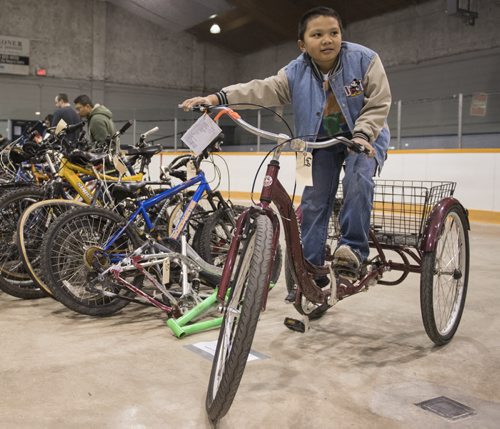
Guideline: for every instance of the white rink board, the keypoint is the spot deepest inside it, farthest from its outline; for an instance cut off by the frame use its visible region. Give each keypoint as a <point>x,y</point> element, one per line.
<point>477,174</point>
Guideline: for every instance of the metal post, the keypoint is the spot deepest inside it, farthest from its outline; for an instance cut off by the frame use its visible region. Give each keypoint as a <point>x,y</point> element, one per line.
<point>134,128</point>
<point>399,125</point>
<point>259,118</point>
<point>460,106</point>
<point>9,129</point>
<point>175,133</point>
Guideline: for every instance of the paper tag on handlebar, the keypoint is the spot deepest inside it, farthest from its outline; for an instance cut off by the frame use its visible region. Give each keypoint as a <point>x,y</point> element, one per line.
<point>120,166</point>
<point>201,134</point>
<point>191,170</point>
<point>303,169</point>
<point>61,125</point>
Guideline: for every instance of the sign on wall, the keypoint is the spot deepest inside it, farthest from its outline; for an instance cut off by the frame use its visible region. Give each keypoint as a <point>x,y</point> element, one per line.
<point>14,55</point>
<point>479,104</point>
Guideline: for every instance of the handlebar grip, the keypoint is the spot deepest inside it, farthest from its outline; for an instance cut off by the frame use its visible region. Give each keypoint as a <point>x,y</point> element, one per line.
<point>74,127</point>
<point>359,148</point>
<point>181,163</point>
<point>356,147</point>
<point>147,133</point>
<point>198,107</point>
<point>176,159</point>
<point>127,125</point>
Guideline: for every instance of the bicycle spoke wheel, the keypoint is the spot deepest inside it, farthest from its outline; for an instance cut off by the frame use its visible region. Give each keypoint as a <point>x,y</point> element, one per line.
<point>240,318</point>
<point>14,280</point>
<point>444,278</point>
<point>31,230</point>
<point>71,247</point>
<point>216,235</point>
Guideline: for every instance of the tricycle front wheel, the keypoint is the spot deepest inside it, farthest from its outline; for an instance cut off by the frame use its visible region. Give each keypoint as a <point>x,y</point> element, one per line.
<point>444,278</point>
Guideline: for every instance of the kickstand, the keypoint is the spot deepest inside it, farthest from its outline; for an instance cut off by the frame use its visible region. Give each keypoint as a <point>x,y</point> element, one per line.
<point>297,325</point>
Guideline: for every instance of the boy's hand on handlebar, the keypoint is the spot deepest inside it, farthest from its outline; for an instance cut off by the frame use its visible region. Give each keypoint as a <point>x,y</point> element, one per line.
<point>368,149</point>
<point>188,104</point>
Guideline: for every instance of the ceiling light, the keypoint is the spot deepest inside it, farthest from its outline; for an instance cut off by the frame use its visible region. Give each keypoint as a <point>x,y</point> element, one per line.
<point>37,113</point>
<point>212,16</point>
<point>215,29</point>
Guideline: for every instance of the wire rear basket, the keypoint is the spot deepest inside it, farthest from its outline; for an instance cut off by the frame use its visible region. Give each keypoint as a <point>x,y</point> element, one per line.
<point>401,208</point>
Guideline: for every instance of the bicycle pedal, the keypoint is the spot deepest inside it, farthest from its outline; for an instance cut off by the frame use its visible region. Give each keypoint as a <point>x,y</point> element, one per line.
<point>349,275</point>
<point>295,325</point>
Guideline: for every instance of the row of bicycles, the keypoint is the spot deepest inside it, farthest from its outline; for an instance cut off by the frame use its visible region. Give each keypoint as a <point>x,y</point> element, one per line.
<point>88,230</point>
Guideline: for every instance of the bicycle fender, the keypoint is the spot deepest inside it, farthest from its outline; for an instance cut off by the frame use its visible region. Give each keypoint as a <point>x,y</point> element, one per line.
<point>435,222</point>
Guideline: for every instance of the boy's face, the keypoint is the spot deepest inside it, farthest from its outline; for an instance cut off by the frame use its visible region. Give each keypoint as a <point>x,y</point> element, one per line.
<point>322,40</point>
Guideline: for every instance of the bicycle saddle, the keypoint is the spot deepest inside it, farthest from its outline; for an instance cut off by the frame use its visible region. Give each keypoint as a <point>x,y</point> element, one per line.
<point>84,158</point>
<point>120,191</point>
<point>147,151</point>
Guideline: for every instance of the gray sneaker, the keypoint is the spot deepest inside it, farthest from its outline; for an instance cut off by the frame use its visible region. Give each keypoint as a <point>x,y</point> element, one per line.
<point>346,262</point>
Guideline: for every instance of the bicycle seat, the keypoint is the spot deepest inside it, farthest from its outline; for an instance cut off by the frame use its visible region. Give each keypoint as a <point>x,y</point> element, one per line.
<point>147,151</point>
<point>120,191</point>
<point>84,158</point>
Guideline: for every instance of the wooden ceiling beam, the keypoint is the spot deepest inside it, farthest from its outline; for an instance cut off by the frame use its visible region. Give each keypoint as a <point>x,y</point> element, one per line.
<point>230,21</point>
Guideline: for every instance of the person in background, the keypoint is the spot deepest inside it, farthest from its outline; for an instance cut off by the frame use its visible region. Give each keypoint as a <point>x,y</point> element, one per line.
<point>100,119</point>
<point>334,86</point>
<point>66,112</point>
<point>47,123</point>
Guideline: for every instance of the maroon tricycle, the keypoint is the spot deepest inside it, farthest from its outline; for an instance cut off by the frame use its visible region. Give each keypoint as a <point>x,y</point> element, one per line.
<point>419,221</point>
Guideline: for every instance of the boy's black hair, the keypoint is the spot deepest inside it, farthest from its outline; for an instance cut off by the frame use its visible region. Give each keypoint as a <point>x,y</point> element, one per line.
<point>313,13</point>
<point>83,100</point>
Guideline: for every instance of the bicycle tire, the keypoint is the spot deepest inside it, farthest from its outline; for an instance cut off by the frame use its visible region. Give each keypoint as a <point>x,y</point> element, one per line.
<point>67,256</point>
<point>443,293</point>
<point>31,229</point>
<point>215,238</point>
<point>14,279</point>
<point>5,188</point>
<point>240,318</point>
<point>215,235</point>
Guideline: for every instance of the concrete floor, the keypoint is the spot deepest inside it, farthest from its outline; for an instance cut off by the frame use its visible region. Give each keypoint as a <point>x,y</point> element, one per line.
<point>364,365</point>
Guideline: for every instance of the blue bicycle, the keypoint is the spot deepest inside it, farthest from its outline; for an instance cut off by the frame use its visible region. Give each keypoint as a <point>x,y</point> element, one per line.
<point>87,240</point>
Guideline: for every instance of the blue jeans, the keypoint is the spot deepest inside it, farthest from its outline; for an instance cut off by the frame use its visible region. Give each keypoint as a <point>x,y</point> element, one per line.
<point>318,202</point>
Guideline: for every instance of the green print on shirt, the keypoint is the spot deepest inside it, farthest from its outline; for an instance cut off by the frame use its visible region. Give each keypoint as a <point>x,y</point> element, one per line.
<point>332,124</point>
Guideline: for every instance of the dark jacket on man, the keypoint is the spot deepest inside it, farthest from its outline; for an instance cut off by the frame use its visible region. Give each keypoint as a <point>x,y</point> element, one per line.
<point>69,115</point>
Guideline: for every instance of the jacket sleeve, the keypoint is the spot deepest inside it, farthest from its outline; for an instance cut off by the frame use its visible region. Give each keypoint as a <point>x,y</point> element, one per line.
<point>377,102</point>
<point>269,92</point>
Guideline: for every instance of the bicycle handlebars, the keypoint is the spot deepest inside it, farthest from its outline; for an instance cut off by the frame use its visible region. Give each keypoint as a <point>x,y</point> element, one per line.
<point>74,127</point>
<point>296,144</point>
<point>147,133</point>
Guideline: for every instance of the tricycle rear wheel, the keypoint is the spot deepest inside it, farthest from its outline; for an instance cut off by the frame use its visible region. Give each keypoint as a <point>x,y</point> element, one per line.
<point>444,277</point>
